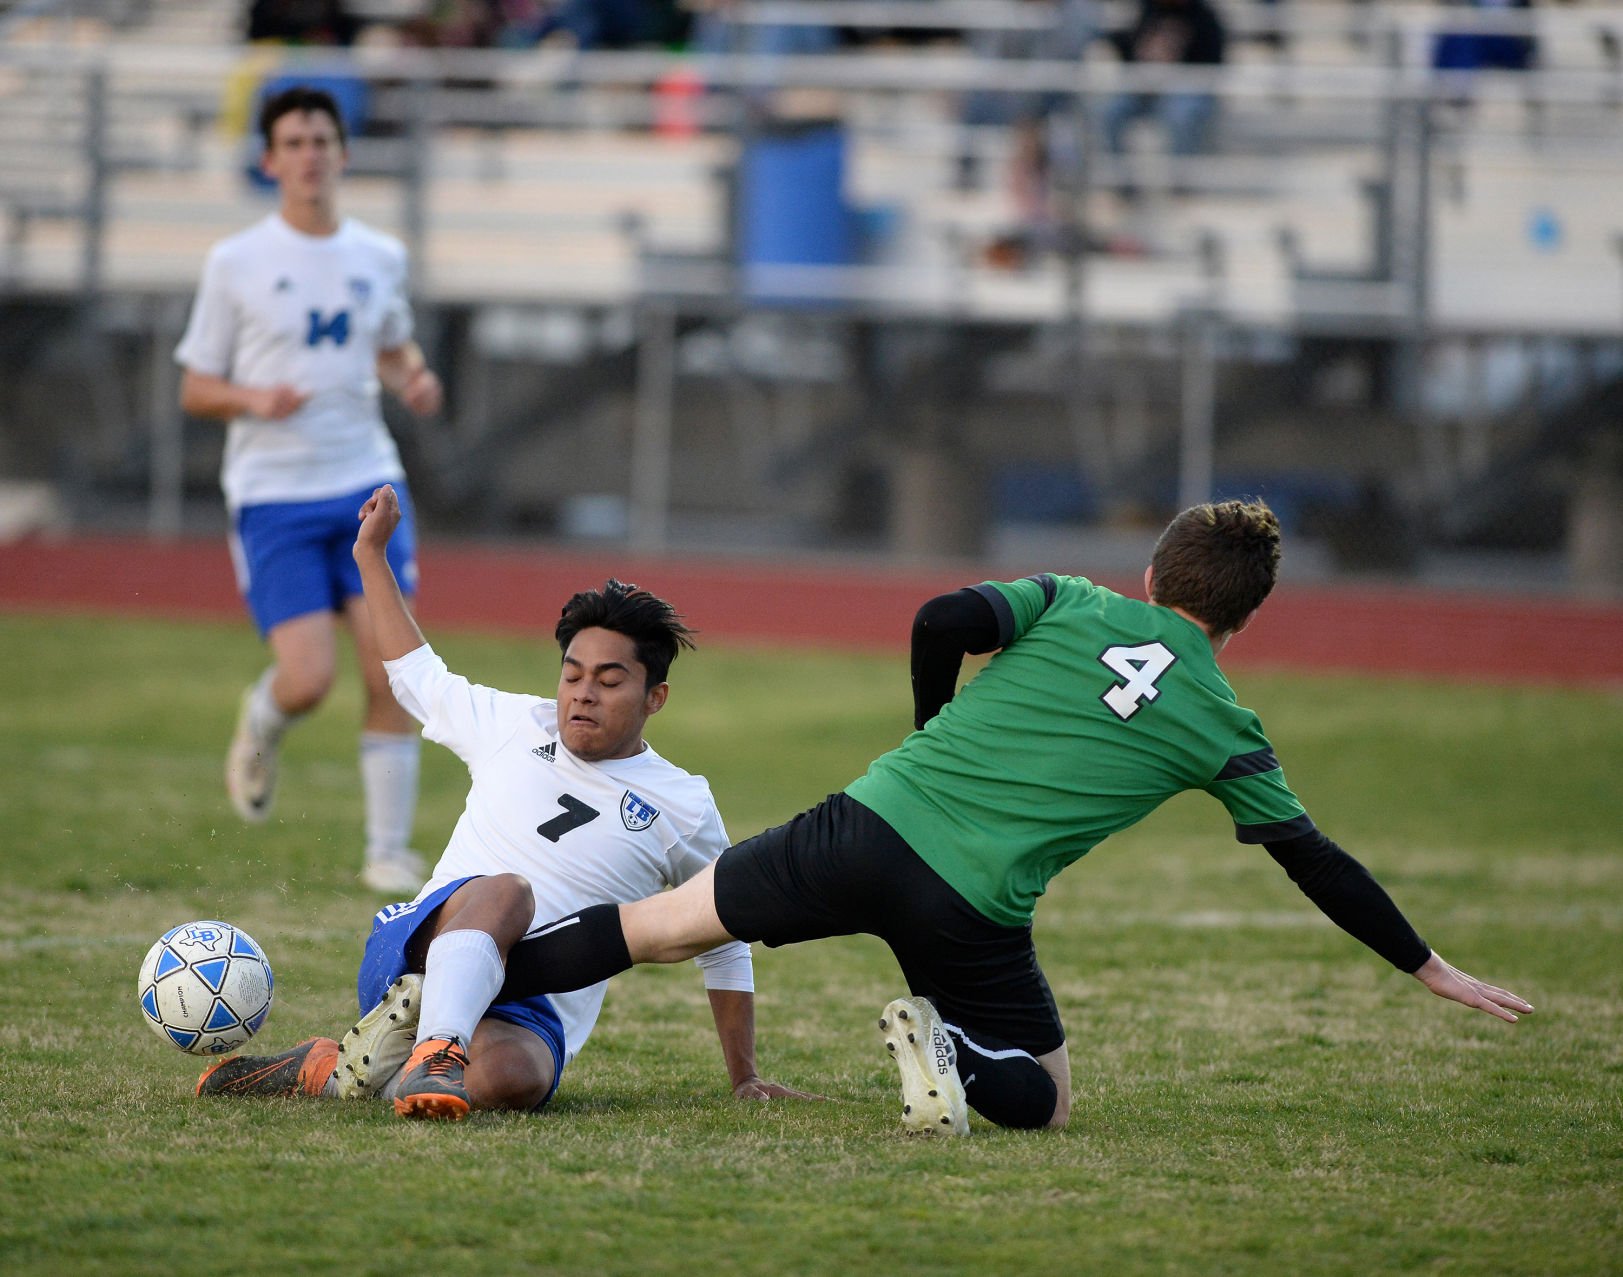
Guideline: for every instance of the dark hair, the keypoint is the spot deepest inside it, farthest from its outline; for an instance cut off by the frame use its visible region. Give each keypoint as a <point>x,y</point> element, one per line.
<point>1218,562</point>
<point>647,620</point>
<point>300,97</point>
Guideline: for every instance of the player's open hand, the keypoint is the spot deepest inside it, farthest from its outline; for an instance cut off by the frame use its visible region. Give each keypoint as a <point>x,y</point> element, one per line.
<point>380,516</point>
<point>756,1088</point>
<point>1450,982</point>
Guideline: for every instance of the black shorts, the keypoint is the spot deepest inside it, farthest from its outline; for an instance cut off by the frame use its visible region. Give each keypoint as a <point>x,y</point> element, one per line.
<point>839,870</point>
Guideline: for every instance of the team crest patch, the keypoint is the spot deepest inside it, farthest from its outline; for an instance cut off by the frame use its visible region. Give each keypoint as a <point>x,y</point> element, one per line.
<point>360,290</point>
<point>636,813</point>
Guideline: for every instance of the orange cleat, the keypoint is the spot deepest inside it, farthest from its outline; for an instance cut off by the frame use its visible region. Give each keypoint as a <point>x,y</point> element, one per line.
<point>432,1083</point>
<point>302,1071</point>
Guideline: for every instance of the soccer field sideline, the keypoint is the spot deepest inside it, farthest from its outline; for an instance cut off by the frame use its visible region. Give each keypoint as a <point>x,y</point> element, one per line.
<point>509,589</point>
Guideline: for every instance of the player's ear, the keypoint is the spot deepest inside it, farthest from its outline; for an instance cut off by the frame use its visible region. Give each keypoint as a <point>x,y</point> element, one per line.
<point>657,695</point>
<point>1149,583</point>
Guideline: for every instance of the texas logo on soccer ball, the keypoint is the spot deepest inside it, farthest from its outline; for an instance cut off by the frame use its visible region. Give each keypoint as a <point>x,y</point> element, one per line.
<point>636,813</point>
<point>200,935</point>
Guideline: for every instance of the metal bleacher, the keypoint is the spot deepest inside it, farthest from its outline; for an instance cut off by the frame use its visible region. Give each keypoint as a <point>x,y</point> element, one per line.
<point>1352,193</point>
<point>529,173</point>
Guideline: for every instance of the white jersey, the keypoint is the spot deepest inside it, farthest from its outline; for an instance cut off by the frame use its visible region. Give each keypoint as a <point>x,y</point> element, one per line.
<point>582,833</point>
<point>311,311</point>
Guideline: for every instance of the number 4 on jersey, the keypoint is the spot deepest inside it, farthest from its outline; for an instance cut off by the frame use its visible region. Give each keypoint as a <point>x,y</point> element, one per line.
<point>1142,667</point>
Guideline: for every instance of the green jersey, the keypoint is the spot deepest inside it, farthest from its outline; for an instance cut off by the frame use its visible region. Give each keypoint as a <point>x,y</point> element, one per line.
<point>1097,710</point>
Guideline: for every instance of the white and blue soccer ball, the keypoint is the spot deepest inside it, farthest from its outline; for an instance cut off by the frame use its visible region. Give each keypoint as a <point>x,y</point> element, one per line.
<point>205,987</point>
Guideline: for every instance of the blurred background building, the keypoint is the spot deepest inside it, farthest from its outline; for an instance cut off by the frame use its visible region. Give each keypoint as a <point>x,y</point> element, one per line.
<point>1009,280</point>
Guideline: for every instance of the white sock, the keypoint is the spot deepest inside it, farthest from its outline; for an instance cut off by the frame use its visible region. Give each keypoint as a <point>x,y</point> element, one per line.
<point>391,1084</point>
<point>266,719</point>
<point>389,767</point>
<point>463,974</point>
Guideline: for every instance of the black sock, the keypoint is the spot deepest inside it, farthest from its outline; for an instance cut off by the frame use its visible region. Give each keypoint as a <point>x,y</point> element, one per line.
<point>1002,1083</point>
<point>570,953</point>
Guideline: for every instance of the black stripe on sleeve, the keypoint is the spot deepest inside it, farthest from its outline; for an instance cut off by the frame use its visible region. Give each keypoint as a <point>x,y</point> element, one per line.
<point>1049,586</point>
<point>1001,608</point>
<point>1252,764</point>
<point>1276,830</point>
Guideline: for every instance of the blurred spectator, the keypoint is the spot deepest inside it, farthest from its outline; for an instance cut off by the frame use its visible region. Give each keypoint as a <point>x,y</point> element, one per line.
<point>454,24</point>
<point>1076,23</point>
<point>717,30</point>
<point>519,24</point>
<point>301,22</point>
<point>1184,32</point>
<point>621,24</point>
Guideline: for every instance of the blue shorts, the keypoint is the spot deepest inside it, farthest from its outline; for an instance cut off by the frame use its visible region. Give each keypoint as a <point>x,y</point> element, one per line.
<point>384,962</point>
<point>297,557</point>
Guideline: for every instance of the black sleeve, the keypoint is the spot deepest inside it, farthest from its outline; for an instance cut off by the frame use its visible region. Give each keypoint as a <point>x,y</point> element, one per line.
<point>1350,898</point>
<point>945,629</point>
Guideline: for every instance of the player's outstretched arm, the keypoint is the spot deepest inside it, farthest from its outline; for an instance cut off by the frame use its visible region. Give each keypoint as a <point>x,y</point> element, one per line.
<point>735,1026</point>
<point>1448,981</point>
<point>1352,899</point>
<point>392,624</point>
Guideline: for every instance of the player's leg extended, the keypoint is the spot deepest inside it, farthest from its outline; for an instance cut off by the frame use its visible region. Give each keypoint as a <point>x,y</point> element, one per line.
<point>304,649</point>
<point>390,760</point>
<point>596,943</point>
<point>675,925</point>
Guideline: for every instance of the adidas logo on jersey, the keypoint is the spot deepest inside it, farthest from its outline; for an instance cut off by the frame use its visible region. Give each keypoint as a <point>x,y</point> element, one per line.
<point>548,751</point>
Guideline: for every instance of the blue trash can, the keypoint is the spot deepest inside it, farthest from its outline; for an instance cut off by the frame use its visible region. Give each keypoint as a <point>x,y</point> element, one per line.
<point>791,207</point>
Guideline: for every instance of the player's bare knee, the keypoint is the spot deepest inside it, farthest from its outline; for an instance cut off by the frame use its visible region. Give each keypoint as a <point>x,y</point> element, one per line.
<point>517,901</point>
<point>507,1068</point>
<point>507,1081</point>
<point>298,691</point>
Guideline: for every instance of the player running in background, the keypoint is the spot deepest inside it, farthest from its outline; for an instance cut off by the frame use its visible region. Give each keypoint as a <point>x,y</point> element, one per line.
<point>569,805</point>
<point>297,322</point>
<point>1095,710</point>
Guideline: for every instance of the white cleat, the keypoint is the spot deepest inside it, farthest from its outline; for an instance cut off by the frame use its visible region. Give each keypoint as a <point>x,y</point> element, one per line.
<point>400,874</point>
<point>932,1096</point>
<point>250,770</point>
<point>372,1052</point>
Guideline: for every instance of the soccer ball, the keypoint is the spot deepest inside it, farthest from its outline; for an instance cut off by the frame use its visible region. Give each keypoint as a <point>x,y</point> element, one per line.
<point>205,987</point>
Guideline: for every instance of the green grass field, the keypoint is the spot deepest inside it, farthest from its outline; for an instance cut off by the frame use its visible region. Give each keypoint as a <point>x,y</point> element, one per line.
<point>1256,1093</point>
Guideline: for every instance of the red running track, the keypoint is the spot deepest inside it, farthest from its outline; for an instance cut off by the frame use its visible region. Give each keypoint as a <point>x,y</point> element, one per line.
<point>1396,630</point>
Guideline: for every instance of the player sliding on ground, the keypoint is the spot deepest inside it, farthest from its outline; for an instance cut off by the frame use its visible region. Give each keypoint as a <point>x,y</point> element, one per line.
<point>568,805</point>
<point>1096,709</point>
